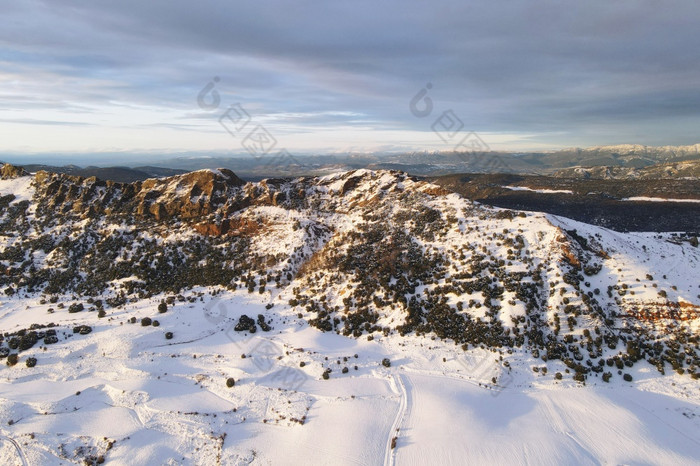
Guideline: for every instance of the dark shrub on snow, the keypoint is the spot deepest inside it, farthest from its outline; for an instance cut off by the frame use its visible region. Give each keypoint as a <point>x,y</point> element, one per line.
<point>245,323</point>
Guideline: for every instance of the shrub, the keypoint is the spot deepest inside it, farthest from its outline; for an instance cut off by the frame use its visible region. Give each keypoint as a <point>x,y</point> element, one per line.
<point>230,382</point>
<point>31,362</point>
<point>12,359</point>
<point>245,323</point>
<point>155,323</point>
<point>162,307</point>
<point>50,339</point>
<point>386,362</point>
<point>101,313</point>
<point>28,340</point>
<point>168,335</point>
<point>263,325</point>
<point>82,329</point>
<point>627,378</point>
<point>146,321</point>
<point>75,307</point>
<point>558,376</point>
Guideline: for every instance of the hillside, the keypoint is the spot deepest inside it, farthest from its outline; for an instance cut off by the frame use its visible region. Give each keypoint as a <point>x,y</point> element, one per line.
<point>371,297</point>
<point>654,204</point>
<point>685,170</point>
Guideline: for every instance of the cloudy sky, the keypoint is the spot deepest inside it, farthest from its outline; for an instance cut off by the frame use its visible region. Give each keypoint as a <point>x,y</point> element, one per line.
<point>330,76</point>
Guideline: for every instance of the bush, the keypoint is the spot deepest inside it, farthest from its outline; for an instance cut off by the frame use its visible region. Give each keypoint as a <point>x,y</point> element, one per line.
<point>230,382</point>
<point>627,378</point>
<point>31,362</point>
<point>263,325</point>
<point>155,323</point>
<point>168,335</point>
<point>558,376</point>
<point>162,307</point>
<point>101,313</point>
<point>12,359</point>
<point>28,340</point>
<point>75,307</point>
<point>245,323</point>
<point>50,339</point>
<point>146,321</point>
<point>386,362</point>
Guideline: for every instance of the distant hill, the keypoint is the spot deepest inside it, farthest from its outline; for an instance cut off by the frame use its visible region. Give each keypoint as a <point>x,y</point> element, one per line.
<point>634,205</point>
<point>120,174</point>
<point>631,157</point>
<point>689,169</point>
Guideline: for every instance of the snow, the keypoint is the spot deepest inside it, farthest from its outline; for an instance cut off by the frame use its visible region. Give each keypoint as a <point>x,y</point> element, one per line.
<point>163,405</point>
<point>541,191</point>
<point>21,187</point>
<point>452,423</point>
<point>657,199</point>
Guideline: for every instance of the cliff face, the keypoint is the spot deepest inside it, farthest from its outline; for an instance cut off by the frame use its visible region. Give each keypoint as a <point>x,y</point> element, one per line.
<point>205,199</point>
<point>189,196</point>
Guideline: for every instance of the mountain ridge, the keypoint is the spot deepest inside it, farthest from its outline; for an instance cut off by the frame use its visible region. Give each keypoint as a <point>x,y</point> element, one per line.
<point>364,253</point>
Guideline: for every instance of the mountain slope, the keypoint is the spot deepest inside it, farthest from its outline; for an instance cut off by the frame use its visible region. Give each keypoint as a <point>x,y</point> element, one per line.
<point>382,301</point>
<point>363,252</point>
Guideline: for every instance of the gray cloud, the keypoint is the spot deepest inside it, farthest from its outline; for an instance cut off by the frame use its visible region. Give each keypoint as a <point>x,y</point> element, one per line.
<point>540,67</point>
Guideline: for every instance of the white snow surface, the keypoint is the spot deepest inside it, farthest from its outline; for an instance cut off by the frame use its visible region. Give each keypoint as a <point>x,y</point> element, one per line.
<point>166,402</point>
<point>658,199</point>
<point>541,191</point>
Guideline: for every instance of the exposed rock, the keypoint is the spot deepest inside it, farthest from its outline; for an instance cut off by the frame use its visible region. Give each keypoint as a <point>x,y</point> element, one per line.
<point>8,172</point>
<point>189,196</point>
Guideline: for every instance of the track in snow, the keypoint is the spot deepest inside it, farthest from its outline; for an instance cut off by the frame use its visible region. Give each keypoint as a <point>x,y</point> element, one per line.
<point>20,453</point>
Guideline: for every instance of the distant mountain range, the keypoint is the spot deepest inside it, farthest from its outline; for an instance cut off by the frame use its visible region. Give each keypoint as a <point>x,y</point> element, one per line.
<point>594,162</point>
<point>689,169</point>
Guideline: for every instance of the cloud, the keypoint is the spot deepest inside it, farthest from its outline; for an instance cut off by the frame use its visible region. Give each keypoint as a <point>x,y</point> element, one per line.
<point>550,71</point>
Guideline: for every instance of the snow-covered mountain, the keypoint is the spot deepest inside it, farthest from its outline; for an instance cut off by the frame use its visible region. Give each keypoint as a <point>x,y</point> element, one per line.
<point>369,298</point>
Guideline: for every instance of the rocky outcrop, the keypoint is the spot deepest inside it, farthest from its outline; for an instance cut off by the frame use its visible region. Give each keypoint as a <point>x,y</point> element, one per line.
<point>189,196</point>
<point>8,172</point>
<point>208,200</point>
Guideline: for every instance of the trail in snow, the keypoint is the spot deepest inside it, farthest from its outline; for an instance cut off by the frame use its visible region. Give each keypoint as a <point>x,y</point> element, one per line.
<point>20,453</point>
<point>404,405</point>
